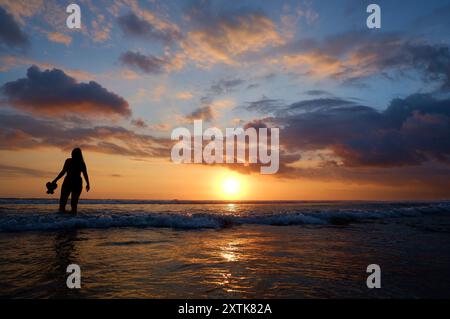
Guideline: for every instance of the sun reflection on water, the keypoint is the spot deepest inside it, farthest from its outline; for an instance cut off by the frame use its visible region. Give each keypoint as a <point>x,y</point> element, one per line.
<point>231,207</point>
<point>229,256</point>
<point>231,251</point>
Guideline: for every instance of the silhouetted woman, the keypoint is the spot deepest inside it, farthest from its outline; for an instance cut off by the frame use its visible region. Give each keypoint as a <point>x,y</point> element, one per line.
<point>72,184</point>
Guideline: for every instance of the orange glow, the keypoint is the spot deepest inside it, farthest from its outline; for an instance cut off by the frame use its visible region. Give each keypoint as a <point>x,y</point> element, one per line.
<point>231,186</point>
<point>118,177</point>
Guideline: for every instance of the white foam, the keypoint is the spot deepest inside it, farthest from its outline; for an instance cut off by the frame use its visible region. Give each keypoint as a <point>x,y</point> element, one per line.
<point>16,222</point>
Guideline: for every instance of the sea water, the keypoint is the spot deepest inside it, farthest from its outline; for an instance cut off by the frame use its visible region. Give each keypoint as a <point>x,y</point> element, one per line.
<point>186,249</point>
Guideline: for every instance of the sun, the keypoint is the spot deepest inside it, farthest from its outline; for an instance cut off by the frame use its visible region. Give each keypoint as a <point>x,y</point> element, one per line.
<point>231,187</point>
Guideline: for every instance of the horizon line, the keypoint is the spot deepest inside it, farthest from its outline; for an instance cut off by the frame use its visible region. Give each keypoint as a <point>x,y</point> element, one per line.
<point>237,201</point>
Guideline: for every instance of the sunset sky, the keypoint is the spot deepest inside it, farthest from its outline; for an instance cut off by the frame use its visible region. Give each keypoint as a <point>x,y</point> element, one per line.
<point>363,114</point>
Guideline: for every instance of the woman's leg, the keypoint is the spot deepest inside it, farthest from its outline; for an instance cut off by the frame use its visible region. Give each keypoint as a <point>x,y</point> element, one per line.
<point>65,192</point>
<point>76,192</point>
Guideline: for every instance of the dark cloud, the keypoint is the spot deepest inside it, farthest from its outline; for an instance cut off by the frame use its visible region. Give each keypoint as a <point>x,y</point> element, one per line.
<point>202,113</point>
<point>132,25</point>
<point>14,171</point>
<point>52,92</point>
<point>257,124</point>
<point>253,86</point>
<point>411,131</point>
<point>317,93</point>
<point>11,35</point>
<point>139,123</point>
<point>392,53</point>
<point>225,86</point>
<point>145,63</point>
<point>354,56</point>
<point>18,132</point>
<point>206,100</point>
<point>285,170</point>
<point>434,61</point>
<point>264,105</point>
<point>317,105</point>
<point>405,144</point>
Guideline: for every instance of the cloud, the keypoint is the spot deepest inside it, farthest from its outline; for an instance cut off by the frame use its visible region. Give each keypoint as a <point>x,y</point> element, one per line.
<point>264,105</point>
<point>317,92</point>
<point>139,123</point>
<point>210,105</point>
<point>417,182</point>
<point>19,132</point>
<point>185,95</point>
<point>411,131</point>
<point>337,140</point>
<point>225,37</point>
<point>354,56</point>
<point>142,124</point>
<point>209,109</point>
<point>253,86</point>
<point>14,171</point>
<point>293,15</point>
<point>148,27</point>
<point>11,35</point>
<point>41,15</point>
<point>9,62</point>
<point>205,113</point>
<point>101,28</point>
<point>52,92</point>
<point>145,63</point>
<point>319,104</point>
<point>224,86</point>
<point>59,38</point>
<point>22,9</point>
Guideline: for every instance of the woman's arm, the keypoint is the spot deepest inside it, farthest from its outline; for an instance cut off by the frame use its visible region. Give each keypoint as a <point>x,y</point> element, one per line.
<point>61,174</point>
<point>86,178</point>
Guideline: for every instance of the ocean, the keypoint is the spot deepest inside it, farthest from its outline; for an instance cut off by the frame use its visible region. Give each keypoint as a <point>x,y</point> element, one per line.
<point>210,249</point>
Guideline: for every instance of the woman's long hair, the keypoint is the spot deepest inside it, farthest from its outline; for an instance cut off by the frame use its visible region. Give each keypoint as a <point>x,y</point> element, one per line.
<point>77,157</point>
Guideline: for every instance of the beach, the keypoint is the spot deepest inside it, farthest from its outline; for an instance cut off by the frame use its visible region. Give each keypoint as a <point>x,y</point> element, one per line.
<point>173,249</point>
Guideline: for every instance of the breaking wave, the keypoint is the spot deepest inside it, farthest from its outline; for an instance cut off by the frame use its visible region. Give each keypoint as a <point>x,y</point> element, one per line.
<point>18,222</point>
